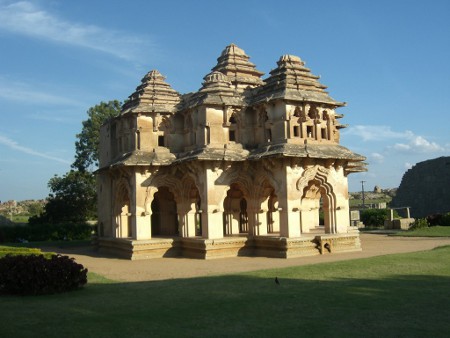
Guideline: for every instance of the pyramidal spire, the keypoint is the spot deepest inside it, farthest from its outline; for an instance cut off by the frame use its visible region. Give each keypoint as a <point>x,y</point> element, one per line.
<point>235,64</point>
<point>292,80</point>
<point>154,94</point>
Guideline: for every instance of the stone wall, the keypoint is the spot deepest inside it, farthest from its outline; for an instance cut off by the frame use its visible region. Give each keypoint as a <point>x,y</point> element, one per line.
<point>425,188</point>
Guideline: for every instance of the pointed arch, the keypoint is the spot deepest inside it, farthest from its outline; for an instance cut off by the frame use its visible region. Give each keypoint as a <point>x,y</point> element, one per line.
<point>122,210</point>
<point>314,185</point>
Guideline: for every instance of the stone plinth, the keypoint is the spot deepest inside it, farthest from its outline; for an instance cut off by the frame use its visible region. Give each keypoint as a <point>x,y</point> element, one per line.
<point>144,249</point>
<point>233,246</point>
<point>401,224</point>
<point>216,248</point>
<point>282,247</point>
<point>338,243</point>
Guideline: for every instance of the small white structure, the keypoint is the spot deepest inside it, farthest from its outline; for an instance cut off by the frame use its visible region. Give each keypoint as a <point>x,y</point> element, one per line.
<point>241,167</point>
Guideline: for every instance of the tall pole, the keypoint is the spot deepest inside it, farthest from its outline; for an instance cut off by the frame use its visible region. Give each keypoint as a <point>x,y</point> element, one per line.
<point>363,196</point>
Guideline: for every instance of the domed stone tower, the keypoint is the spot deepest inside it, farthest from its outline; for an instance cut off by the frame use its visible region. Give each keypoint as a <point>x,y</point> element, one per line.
<point>243,166</point>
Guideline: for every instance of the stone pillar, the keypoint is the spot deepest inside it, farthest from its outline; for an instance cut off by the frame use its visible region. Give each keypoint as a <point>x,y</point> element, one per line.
<point>212,197</point>
<point>187,219</point>
<point>191,221</point>
<point>289,223</point>
<point>252,214</point>
<point>289,201</point>
<point>212,224</point>
<point>143,228</point>
<point>141,213</point>
<point>260,212</point>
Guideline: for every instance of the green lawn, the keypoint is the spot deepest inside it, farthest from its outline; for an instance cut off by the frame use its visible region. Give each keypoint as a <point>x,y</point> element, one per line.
<point>406,295</point>
<point>435,231</point>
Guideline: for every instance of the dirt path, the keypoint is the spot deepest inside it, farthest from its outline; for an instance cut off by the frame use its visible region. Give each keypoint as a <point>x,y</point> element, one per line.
<point>169,268</point>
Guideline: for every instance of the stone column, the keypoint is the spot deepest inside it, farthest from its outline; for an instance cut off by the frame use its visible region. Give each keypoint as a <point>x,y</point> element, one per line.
<point>187,219</point>
<point>289,223</point>
<point>212,197</point>
<point>260,212</point>
<point>140,209</point>
<point>212,224</point>
<point>289,202</point>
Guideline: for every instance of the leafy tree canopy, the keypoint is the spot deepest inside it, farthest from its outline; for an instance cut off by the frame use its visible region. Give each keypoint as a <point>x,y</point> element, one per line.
<point>72,199</point>
<point>73,196</point>
<point>86,147</point>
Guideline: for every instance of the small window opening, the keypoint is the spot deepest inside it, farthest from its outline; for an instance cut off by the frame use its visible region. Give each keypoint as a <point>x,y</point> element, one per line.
<point>309,130</point>
<point>232,135</point>
<point>296,131</point>
<point>160,141</point>
<point>269,135</point>
<point>324,133</point>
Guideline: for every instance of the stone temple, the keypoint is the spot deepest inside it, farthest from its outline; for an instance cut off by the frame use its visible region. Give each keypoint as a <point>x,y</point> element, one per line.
<point>243,166</point>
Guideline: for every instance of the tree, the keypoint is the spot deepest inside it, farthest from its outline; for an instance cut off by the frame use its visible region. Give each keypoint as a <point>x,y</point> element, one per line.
<point>72,199</point>
<point>86,157</point>
<point>35,208</point>
<point>73,196</point>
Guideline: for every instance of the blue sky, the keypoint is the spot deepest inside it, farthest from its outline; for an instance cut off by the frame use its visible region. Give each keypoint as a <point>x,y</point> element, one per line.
<point>389,60</point>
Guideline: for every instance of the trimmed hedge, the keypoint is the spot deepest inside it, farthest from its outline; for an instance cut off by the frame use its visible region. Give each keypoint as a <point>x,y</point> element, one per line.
<point>47,232</point>
<point>374,217</point>
<point>16,251</point>
<point>419,223</point>
<point>439,219</point>
<point>37,275</point>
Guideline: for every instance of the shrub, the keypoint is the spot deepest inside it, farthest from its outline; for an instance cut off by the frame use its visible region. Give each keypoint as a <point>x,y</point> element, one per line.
<point>47,232</point>
<point>445,220</point>
<point>16,251</point>
<point>374,217</point>
<point>439,219</point>
<point>36,275</point>
<point>434,219</point>
<point>5,250</point>
<point>419,223</point>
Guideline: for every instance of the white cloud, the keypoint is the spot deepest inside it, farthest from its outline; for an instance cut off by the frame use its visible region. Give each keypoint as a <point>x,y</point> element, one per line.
<point>60,117</point>
<point>28,19</point>
<point>411,143</point>
<point>377,157</point>
<point>14,145</point>
<point>375,133</point>
<point>25,93</point>
<point>408,165</point>
<point>418,144</point>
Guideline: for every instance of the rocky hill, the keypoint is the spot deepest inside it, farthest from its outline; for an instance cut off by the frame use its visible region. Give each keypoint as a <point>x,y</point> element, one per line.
<point>425,188</point>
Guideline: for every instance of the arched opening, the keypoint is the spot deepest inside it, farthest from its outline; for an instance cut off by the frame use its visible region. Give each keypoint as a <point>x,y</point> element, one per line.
<point>123,215</point>
<point>235,212</point>
<point>243,216</point>
<point>164,220</point>
<point>193,219</point>
<point>232,129</point>
<point>316,213</point>
<point>273,215</point>
<point>198,218</point>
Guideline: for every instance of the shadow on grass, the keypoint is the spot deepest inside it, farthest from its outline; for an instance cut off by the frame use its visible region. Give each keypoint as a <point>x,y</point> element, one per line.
<point>247,305</point>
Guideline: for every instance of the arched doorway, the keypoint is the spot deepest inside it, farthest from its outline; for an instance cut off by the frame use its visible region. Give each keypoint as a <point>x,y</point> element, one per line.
<point>317,210</point>
<point>235,212</point>
<point>123,215</point>
<point>164,220</point>
<point>243,216</point>
<point>273,215</point>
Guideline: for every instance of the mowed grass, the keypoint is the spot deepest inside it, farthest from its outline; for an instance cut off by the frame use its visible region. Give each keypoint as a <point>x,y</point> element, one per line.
<point>434,231</point>
<point>404,295</point>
